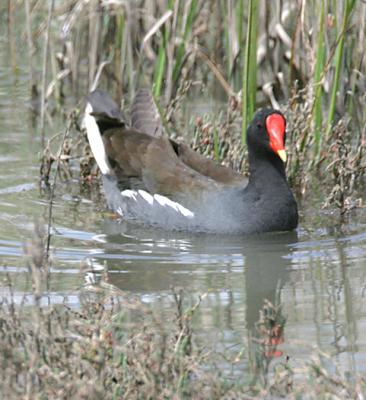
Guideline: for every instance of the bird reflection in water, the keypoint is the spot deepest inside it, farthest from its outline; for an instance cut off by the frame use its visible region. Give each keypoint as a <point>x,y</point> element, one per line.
<point>266,262</point>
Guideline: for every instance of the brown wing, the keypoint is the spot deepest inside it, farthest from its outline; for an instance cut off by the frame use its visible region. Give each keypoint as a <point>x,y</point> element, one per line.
<point>143,161</point>
<point>145,118</point>
<point>208,167</point>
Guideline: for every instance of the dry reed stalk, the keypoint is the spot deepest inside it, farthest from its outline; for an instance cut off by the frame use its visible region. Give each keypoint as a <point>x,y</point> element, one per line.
<point>94,32</point>
<point>70,121</point>
<point>32,80</point>
<point>44,72</point>
<point>11,36</point>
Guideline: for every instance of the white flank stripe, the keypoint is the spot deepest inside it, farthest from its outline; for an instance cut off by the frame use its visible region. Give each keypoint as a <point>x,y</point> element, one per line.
<point>184,211</point>
<point>96,141</point>
<point>162,200</point>
<point>129,193</point>
<point>147,196</point>
<point>165,201</point>
<point>143,198</point>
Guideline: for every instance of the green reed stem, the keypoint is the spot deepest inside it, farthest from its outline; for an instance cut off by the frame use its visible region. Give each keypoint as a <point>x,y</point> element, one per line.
<point>352,74</point>
<point>240,19</point>
<point>249,88</point>
<point>187,29</point>
<point>318,72</point>
<point>119,61</point>
<point>216,144</point>
<point>160,66</point>
<point>162,58</point>
<point>348,7</point>
<point>225,15</point>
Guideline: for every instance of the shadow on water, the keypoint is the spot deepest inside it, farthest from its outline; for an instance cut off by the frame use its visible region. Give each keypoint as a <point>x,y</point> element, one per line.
<point>264,259</point>
<point>259,265</point>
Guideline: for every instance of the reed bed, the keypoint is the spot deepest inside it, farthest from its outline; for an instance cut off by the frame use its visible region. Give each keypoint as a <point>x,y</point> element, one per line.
<point>305,57</point>
<point>113,346</point>
<point>295,55</point>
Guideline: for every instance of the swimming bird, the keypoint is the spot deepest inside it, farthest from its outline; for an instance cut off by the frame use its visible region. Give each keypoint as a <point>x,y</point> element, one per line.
<point>156,181</point>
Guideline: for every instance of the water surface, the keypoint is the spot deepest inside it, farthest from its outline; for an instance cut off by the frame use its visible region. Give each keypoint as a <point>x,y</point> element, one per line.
<point>317,273</point>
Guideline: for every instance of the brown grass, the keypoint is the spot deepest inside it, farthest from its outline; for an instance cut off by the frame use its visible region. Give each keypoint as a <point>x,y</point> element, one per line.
<point>113,346</point>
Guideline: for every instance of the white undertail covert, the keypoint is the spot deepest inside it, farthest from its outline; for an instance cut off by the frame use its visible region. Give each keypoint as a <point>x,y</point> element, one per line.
<point>96,141</point>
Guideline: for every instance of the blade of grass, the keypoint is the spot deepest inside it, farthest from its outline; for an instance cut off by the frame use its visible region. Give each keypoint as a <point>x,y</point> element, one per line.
<point>187,29</point>
<point>233,37</point>
<point>318,71</point>
<point>94,32</point>
<point>240,19</point>
<point>162,54</point>
<point>216,144</point>
<point>216,71</point>
<point>32,74</point>
<point>170,54</point>
<point>11,36</point>
<point>119,61</point>
<point>240,29</point>
<point>160,67</point>
<point>253,57</point>
<point>347,10</point>
<point>128,51</point>
<point>44,72</point>
<point>249,87</point>
<point>156,27</point>
<point>227,15</point>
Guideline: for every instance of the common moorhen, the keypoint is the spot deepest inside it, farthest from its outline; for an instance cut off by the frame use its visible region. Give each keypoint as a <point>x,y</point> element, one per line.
<point>166,184</point>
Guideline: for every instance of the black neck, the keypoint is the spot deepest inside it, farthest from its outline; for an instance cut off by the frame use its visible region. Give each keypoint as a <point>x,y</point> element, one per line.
<point>266,166</point>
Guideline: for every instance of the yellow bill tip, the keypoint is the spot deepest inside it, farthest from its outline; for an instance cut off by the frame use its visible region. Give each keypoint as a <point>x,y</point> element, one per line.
<point>282,154</point>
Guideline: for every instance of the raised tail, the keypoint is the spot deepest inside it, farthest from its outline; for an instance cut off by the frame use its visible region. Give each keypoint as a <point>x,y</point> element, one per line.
<point>101,113</point>
<point>145,116</point>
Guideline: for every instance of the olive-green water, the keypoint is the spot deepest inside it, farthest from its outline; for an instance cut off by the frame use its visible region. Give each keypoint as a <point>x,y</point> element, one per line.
<point>317,273</point>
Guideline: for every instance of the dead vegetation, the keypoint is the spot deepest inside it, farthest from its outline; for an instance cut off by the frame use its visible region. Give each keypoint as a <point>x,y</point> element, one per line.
<point>114,346</point>
<point>184,51</point>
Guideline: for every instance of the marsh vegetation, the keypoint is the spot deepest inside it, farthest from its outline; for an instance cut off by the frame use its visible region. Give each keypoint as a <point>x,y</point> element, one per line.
<point>227,59</point>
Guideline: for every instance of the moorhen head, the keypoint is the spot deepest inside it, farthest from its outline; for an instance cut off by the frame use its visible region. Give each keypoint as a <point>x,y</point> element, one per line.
<point>153,180</point>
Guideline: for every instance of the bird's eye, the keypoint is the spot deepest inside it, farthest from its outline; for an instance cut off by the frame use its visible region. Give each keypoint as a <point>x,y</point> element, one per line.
<point>259,125</point>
